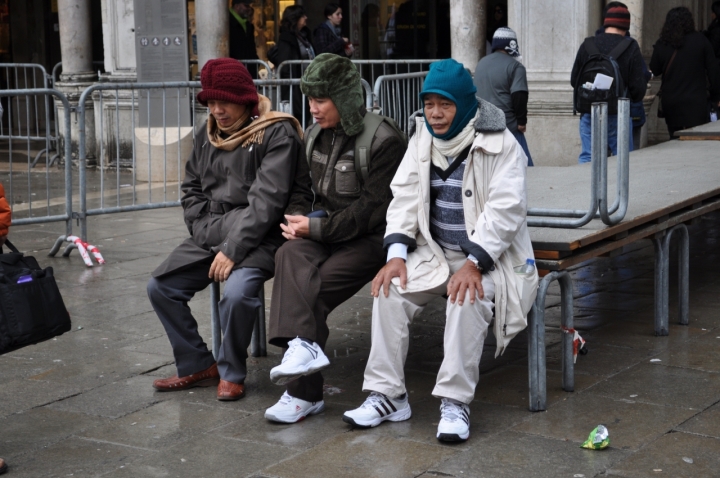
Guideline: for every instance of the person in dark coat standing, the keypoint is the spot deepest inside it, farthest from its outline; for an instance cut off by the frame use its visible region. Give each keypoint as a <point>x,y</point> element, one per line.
<point>713,30</point>
<point>336,240</point>
<point>630,63</point>
<point>237,185</point>
<point>294,44</point>
<point>5,220</point>
<point>328,38</point>
<point>242,34</point>
<point>686,61</point>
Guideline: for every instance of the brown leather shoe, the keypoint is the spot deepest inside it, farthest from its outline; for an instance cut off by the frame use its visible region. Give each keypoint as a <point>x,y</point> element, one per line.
<point>3,466</point>
<point>229,391</point>
<point>206,378</point>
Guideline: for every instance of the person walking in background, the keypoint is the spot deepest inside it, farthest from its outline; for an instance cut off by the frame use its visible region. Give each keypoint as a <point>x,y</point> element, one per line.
<point>294,44</point>
<point>605,50</point>
<point>242,34</point>
<point>501,79</point>
<point>686,61</point>
<point>637,108</point>
<point>328,36</point>
<point>713,30</point>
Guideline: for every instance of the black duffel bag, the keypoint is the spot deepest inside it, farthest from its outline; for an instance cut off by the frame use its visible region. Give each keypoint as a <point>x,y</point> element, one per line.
<point>31,308</point>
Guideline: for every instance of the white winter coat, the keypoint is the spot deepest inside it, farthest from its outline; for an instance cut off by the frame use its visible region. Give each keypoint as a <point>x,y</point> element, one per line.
<point>495,206</point>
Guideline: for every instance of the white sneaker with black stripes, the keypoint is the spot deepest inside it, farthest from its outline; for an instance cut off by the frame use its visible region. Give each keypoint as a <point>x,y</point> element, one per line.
<point>301,358</point>
<point>378,408</point>
<point>454,421</point>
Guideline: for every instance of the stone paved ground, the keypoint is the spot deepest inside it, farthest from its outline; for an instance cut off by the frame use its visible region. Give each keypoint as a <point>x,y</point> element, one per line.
<point>83,405</point>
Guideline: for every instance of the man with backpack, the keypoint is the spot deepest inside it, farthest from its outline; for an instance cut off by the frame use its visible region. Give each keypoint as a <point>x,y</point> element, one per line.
<point>613,54</point>
<point>335,242</point>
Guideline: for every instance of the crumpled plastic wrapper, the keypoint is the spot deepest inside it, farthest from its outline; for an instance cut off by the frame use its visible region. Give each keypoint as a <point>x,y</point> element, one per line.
<point>599,439</point>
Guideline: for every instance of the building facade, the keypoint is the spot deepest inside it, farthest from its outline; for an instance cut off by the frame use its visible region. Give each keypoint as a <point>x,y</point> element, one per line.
<point>96,41</point>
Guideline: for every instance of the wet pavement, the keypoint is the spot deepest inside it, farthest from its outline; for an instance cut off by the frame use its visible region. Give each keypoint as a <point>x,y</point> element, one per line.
<point>83,404</point>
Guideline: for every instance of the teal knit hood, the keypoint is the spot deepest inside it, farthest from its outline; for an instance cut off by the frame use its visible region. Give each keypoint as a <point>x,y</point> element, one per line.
<point>450,79</point>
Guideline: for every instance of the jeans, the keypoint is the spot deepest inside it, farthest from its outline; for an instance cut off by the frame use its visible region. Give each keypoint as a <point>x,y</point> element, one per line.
<point>585,128</point>
<point>520,137</point>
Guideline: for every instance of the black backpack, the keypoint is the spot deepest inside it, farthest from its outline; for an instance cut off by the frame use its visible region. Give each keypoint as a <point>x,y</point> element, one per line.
<point>597,62</point>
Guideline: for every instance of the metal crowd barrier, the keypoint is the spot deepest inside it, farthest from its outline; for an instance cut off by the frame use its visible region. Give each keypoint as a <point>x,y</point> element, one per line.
<point>398,96</point>
<point>571,218</point>
<point>370,70</point>
<point>44,196</point>
<point>29,118</point>
<point>130,151</point>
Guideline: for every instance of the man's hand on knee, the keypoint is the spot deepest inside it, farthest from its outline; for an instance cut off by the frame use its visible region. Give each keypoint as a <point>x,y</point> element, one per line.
<point>394,268</point>
<point>221,267</point>
<point>467,279</point>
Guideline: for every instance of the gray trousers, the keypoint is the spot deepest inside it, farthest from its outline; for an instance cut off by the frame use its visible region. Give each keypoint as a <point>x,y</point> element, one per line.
<point>466,327</point>
<point>169,295</point>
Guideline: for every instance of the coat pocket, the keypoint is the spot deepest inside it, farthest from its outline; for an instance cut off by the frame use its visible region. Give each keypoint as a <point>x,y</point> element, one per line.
<point>527,285</point>
<point>346,180</point>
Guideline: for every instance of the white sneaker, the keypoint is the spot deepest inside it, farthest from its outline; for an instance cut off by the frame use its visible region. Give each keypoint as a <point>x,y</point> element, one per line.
<point>454,421</point>
<point>301,358</point>
<point>378,408</point>
<point>290,409</point>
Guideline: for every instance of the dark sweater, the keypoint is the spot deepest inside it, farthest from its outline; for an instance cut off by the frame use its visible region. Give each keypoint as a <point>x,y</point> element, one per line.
<point>326,41</point>
<point>630,64</point>
<point>685,86</point>
<point>242,43</point>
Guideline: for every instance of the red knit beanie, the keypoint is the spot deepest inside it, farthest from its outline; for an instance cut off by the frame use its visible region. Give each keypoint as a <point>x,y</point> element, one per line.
<point>618,17</point>
<point>226,79</point>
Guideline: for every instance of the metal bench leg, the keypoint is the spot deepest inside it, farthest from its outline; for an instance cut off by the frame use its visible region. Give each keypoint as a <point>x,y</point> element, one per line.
<point>683,274</point>
<point>566,314</point>
<point>537,369</point>
<point>661,286</point>
<point>258,343</point>
<point>215,318</point>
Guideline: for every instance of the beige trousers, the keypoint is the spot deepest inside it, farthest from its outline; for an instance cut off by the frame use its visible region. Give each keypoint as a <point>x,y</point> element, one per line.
<point>466,327</point>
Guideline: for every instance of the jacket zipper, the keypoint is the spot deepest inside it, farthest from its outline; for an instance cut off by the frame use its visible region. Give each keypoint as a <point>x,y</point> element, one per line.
<point>327,164</point>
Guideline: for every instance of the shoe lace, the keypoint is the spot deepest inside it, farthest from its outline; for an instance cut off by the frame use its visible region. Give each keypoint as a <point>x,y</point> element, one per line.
<point>285,399</point>
<point>292,347</point>
<point>450,411</point>
<point>374,399</point>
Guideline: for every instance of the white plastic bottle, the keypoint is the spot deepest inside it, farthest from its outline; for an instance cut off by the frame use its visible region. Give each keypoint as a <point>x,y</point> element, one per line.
<point>526,268</point>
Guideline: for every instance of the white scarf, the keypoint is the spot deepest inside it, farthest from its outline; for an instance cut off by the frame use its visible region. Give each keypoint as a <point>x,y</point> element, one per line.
<point>442,149</point>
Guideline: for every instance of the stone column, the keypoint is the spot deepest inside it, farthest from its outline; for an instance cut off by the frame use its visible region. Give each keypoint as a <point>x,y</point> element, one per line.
<point>77,72</point>
<point>468,30</point>
<point>636,8</point>
<point>212,23</point>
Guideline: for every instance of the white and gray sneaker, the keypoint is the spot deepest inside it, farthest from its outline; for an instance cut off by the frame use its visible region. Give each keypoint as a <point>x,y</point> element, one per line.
<point>454,421</point>
<point>291,410</point>
<point>301,358</point>
<point>376,409</point>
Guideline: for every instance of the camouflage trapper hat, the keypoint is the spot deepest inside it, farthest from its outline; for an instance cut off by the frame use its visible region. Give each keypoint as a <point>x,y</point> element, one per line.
<point>335,77</point>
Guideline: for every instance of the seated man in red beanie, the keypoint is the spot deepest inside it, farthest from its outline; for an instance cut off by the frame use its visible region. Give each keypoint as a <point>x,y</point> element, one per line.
<point>237,186</point>
<point>329,256</point>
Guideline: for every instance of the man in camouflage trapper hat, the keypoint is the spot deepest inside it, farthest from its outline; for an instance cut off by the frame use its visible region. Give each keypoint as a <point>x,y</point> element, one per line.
<point>335,242</point>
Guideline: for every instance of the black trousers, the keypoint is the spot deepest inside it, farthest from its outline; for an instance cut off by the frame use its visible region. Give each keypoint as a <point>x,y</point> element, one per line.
<point>311,280</point>
<point>169,295</point>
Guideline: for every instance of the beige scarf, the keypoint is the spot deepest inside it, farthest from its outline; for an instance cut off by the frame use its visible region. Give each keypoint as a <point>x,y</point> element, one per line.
<point>442,149</point>
<point>253,133</point>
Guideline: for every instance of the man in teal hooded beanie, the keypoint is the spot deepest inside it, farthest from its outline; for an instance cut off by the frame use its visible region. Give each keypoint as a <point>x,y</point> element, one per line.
<point>456,226</point>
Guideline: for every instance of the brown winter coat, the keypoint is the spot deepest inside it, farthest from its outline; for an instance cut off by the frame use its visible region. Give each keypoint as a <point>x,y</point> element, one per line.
<point>354,208</point>
<point>4,213</point>
<point>234,200</point>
